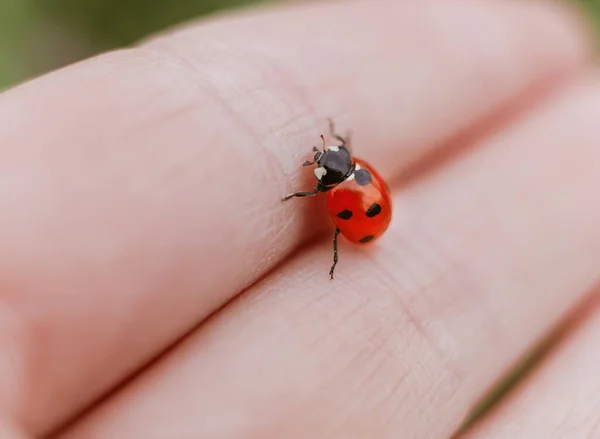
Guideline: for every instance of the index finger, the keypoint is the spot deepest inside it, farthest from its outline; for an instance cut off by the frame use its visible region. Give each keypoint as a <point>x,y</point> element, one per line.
<point>148,193</point>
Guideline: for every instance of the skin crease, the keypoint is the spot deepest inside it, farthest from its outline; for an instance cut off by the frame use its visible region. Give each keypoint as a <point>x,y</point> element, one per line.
<point>114,246</point>
<point>569,378</point>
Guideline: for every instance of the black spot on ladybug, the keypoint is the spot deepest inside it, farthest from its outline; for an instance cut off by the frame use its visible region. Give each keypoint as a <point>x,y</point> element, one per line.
<point>362,177</point>
<point>373,210</point>
<point>367,238</point>
<point>345,214</point>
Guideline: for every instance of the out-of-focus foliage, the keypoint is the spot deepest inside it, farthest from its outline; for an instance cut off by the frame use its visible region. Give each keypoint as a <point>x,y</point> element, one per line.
<point>119,22</point>
<point>15,18</point>
<point>39,35</point>
<point>592,7</point>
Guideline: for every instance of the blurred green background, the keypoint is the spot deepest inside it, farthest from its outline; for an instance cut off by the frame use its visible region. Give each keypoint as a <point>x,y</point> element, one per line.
<point>40,35</point>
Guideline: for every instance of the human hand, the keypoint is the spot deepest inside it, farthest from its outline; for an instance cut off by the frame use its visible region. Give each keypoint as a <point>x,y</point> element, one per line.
<point>141,199</point>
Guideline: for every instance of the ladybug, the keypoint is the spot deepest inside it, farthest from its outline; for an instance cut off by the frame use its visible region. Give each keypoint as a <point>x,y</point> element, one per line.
<point>358,198</point>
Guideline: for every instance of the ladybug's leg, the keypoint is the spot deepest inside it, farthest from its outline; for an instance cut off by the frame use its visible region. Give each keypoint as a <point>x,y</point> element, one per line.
<point>345,142</point>
<point>333,134</point>
<point>316,158</point>
<point>348,144</point>
<point>335,252</point>
<point>316,190</point>
<point>299,194</point>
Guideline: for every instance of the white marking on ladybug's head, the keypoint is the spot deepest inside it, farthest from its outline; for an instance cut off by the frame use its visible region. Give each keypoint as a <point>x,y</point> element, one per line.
<point>320,172</point>
<point>333,148</point>
<point>356,168</point>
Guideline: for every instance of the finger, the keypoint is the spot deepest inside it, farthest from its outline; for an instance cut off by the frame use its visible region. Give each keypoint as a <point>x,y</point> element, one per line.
<point>144,191</point>
<point>559,398</point>
<point>427,92</point>
<point>487,255</point>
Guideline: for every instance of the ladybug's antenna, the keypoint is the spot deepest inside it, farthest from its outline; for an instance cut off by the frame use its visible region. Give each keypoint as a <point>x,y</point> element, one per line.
<point>323,139</point>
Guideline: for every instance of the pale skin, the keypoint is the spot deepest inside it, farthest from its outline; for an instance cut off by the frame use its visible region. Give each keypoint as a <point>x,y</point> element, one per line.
<point>141,194</point>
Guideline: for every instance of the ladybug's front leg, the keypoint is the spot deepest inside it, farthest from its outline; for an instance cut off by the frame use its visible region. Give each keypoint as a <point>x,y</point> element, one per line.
<point>299,194</point>
<point>335,252</point>
<point>318,188</point>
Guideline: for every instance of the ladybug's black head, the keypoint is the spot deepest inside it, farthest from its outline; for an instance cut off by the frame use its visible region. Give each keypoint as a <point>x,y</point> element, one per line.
<point>335,165</point>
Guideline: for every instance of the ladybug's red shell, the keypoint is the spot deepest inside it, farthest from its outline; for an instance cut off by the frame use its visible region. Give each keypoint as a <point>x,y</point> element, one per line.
<point>361,210</point>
